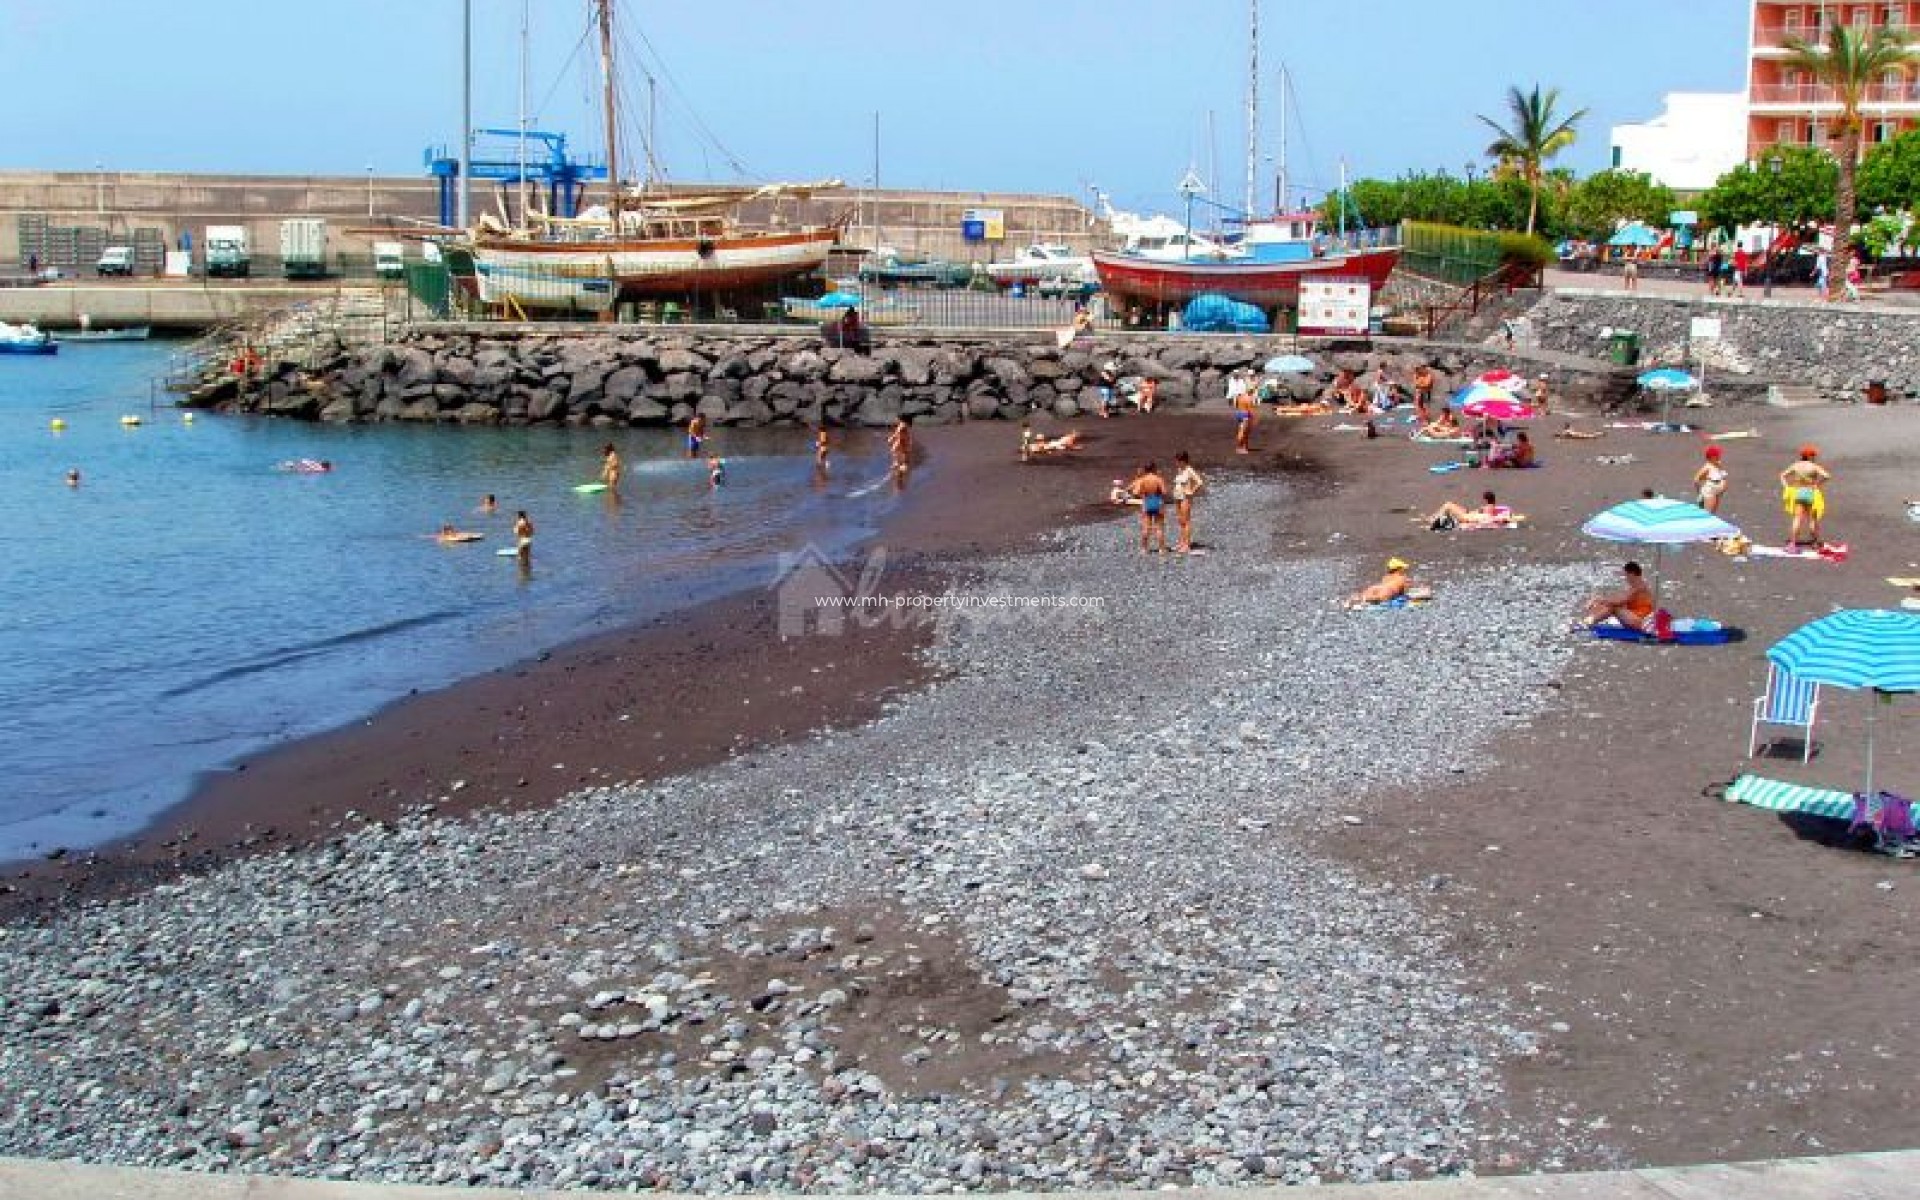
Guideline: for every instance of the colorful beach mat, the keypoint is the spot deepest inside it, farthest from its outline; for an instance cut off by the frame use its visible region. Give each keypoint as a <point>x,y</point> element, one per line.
<point>1777,796</point>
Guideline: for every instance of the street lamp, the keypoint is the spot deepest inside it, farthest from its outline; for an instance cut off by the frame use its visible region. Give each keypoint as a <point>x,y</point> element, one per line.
<point>99,187</point>
<point>1773,246</point>
<point>369,191</point>
<point>1190,186</point>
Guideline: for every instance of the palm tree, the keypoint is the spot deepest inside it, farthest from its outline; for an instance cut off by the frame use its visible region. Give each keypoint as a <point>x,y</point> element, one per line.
<point>1536,135</point>
<point>1849,62</point>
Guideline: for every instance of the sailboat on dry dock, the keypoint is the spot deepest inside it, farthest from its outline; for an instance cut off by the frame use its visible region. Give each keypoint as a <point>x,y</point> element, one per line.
<point>651,244</point>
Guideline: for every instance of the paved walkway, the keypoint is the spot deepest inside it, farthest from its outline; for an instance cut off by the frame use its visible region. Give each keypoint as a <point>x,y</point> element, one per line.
<point>1889,1176</point>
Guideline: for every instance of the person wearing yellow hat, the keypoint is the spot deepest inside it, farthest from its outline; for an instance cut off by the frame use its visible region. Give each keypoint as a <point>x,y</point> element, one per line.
<point>1392,585</point>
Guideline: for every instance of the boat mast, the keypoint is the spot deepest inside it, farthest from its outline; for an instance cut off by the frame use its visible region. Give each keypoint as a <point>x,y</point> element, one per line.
<point>464,194</point>
<point>605,8</point>
<point>877,239</point>
<point>525,19</point>
<point>1280,179</point>
<point>1253,103</point>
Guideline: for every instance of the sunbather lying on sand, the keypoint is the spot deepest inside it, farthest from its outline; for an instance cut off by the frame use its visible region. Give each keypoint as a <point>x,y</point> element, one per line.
<point>1311,408</point>
<point>1490,515</point>
<point>1568,432</point>
<point>1393,585</point>
<point>1034,445</point>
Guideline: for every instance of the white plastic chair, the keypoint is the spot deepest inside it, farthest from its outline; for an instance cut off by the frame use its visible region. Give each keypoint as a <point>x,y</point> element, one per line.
<point>1790,702</point>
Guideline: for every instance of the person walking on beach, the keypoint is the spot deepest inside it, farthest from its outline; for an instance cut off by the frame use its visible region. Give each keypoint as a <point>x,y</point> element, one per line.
<point>1710,481</point>
<point>610,467</point>
<point>1151,490</point>
<point>523,537</point>
<point>1244,405</point>
<point>1803,494</point>
<point>1822,286</point>
<point>900,446</point>
<point>1187,483</point>
<point>696,434</point>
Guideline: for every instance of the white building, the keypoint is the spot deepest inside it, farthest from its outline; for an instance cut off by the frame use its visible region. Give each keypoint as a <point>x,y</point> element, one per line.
<point>1700,137</point>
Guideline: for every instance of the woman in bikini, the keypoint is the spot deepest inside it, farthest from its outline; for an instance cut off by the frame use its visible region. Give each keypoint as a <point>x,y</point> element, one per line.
<point>1187,483</point>
<point>1151,491</point>
<point>1803,494</point>
<point>1710,481</point>
<point>1632,606</point>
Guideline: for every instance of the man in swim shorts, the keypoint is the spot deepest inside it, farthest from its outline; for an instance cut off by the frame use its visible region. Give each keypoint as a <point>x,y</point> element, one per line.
<point>1632,605</point>
<point>696,434</point>
<point>1151,490</point>
<point>610,467</point>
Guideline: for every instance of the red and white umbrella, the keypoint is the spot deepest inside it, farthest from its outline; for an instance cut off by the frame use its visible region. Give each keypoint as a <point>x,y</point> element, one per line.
<point>1494,406</point>
<point>1500,377</point>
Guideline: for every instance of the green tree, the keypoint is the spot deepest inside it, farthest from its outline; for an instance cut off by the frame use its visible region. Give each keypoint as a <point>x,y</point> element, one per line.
<point>1800,192</point>
<point>1598,203</point>
<point>1890,175</point>
<point>1536,133</point>
<point>1849,63</point>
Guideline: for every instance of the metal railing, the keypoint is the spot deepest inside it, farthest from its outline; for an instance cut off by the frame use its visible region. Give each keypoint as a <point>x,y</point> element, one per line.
<point>1815,93</point>
<point>1774,36</point>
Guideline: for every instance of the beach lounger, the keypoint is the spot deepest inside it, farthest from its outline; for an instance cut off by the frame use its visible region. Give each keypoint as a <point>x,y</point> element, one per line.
<point>1774,795</point>
<point>1790,702</point>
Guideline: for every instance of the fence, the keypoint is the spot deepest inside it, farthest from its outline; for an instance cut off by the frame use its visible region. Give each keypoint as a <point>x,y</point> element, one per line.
<point>1448,253</point>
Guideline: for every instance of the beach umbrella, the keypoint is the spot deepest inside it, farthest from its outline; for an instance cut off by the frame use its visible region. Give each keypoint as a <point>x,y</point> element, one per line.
<point>1493,407</point>
<point>1667,381</point>
<point>1634,234</point>
<point>1659,523</point>
<point>1874,649</point>
<point>839,300</point>
<point>1288,364</point>
<point>1479,391</point>
<point>1500,377</point>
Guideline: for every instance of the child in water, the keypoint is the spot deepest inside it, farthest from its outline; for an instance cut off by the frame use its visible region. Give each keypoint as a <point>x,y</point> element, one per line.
<point>716,471</point>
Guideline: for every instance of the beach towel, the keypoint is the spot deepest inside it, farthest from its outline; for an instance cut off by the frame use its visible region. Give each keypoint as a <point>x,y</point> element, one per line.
<point>1443,468</point>
<point>1614,460</point>
<point>1424,440</point>
<point>1833,552</point>
<point>1775,795</point>
<point>1733,435</point>
<point>1687,631</point>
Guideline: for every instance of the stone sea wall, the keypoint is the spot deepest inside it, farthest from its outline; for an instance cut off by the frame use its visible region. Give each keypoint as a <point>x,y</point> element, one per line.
<point>488,377</point>
<point>1836,348</point>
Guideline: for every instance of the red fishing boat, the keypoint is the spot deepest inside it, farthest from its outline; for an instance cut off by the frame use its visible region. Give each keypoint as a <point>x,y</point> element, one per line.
<point>1269,283</point>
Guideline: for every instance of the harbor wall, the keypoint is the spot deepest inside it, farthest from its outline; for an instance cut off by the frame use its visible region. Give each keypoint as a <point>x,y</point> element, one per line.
<point>491,375</point>
<point>1837,349</point>
<point>183,306</point>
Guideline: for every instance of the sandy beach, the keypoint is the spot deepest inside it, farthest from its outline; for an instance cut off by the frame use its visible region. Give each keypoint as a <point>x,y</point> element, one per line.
<point>1209,882</point>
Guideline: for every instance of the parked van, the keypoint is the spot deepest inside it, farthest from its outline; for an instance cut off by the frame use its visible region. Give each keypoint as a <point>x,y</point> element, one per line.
<point>389,260</point>
<point>115,260</point>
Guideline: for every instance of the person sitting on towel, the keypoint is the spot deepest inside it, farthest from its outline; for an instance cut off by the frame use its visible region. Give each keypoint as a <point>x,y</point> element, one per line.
<point>1443,427</point>
<point>1520,454</point>
<point>1632,606</point>
<point>1489,515</point>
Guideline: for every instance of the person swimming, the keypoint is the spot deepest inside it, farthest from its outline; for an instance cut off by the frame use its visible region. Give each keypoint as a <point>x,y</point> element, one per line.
<point>488,504</point>
<point>716,470</point>
<point>73,477</point>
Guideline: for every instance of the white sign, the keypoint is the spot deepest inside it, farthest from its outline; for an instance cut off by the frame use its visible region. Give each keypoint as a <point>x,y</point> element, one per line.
<point>1335,304</point>
<point>1705,329</point>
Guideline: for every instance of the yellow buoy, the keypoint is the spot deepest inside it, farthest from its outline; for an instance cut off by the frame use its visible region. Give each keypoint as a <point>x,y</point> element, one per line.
<point>56,425</point>
<point>129,419</point>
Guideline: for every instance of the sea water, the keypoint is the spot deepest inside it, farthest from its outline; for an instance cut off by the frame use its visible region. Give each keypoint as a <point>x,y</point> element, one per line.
<point>189,603</point>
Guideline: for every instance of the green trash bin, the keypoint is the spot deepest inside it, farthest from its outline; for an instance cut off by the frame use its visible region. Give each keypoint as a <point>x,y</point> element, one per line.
<point>1625,347</point>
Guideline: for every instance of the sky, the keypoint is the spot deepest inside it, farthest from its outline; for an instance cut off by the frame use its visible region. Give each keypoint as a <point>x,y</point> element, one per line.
<point>1046,96</point>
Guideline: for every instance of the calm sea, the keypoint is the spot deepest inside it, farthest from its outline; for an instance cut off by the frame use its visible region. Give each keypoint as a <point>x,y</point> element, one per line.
<point>189,603</point>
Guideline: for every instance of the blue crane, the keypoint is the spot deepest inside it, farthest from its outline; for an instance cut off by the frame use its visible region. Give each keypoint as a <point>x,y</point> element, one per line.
<point>496,154</point>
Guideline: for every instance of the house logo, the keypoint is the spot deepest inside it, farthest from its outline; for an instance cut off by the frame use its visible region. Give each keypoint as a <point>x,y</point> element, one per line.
<point>814,595</point>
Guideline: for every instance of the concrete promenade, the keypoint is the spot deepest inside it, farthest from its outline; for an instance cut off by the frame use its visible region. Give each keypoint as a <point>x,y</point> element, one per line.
<point>182,306</point>
<point>1893,1175</point>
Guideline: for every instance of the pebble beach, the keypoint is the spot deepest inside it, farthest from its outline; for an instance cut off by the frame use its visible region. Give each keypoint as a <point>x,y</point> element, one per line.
<point>1207,882</point>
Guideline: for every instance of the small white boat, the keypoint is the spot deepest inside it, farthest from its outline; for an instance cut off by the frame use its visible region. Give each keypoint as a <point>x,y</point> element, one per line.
<point>880,311</point>
<point>1042,261</point>
<point>25,339</point>
<point>126,333</point>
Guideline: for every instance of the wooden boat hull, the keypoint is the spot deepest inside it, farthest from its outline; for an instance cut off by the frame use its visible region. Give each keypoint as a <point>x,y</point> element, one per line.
<point>578,274</point>
<point>1269,285</point>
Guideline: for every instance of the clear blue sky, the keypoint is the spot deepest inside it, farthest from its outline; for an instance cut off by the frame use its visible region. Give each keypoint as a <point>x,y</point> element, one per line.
<point>1004,95</point>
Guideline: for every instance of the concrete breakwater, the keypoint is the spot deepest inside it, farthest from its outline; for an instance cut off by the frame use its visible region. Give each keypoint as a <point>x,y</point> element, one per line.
<point>489,377</point>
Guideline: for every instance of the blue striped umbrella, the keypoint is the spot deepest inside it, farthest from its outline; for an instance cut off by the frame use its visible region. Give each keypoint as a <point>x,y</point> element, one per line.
<point>1288,364</point>
<point>1873,648</point>
<point>1658,523</point>
<point>1667,379</point>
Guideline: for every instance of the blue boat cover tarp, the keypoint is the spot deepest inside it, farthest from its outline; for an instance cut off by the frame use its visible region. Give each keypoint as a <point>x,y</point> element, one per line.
<point>1214,313</point>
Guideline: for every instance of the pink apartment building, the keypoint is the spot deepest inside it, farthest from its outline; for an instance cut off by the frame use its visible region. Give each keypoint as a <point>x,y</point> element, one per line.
<point>1785,106</point>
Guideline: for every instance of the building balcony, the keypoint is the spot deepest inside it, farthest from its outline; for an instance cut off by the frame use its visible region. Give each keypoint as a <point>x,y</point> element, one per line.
<point>1808,97</point>
<point>1773,38</point>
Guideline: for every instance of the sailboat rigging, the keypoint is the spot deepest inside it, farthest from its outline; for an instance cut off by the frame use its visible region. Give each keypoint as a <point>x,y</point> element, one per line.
<point>663,246</point>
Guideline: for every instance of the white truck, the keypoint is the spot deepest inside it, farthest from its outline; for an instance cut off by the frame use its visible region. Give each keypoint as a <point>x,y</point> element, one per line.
<point>228,252</point>
<point>389,260</point>
<point>303,247</point>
